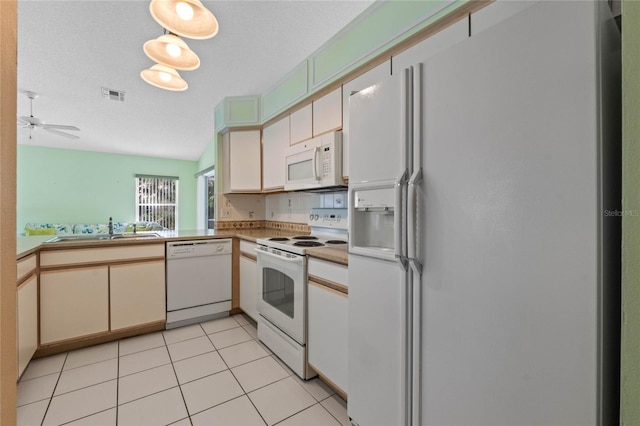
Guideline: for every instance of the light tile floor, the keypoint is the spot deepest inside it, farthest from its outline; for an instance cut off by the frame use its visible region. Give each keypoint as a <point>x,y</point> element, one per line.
<point>213,373</point>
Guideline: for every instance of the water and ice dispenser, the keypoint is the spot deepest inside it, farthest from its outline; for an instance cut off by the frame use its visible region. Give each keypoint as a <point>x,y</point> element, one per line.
<point>373,221</point>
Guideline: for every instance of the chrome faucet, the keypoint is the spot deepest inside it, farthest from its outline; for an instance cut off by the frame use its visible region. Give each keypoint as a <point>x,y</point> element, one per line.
<point>110,226</point>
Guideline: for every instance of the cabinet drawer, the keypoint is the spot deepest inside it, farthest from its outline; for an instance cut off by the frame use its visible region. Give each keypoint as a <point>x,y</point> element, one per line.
<point>248,247</point>
<point>26,266</point>
<point>97,255</point>
<point>328,270</point>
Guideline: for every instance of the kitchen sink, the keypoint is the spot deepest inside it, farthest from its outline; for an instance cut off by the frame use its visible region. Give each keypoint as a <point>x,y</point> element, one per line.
<point>100,237</point>
<point>135,236</point>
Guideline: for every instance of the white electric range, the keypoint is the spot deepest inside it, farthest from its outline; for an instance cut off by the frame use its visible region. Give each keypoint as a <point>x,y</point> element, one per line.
<point>282,285</point>
<point>328,229</point>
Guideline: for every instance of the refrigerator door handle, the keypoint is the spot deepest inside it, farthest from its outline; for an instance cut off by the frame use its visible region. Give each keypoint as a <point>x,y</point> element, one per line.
<point>416,345</point>
<point>412,234</point>
<point>416,176</point>
<point>399,218</point>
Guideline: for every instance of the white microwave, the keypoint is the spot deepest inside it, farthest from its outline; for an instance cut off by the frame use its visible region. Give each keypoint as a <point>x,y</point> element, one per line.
<point>316,163</point>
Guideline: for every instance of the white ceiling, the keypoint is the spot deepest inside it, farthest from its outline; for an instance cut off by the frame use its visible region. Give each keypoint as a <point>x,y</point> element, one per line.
<point>68,50</point>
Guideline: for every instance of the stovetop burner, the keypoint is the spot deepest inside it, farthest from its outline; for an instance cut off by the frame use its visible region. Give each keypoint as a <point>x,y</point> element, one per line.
<point>279,239</point>
<point>335,242</point>
<point>305,237</point>
<point>308,244</point>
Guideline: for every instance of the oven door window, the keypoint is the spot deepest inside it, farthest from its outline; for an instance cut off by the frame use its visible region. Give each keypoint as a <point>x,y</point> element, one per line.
<point>278,291</point>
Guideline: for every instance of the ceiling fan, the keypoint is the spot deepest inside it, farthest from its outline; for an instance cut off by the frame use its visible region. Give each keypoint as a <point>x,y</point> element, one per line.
<point>32,122</point>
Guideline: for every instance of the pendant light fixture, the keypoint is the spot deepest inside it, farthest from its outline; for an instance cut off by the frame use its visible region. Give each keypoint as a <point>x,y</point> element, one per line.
<point>170,50</point>
<point>164,77</point>
<point>188,18</point>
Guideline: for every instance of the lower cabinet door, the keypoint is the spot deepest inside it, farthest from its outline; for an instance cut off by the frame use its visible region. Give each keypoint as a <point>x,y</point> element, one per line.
<point>73,303</point>
<point>249,287</point>
<point>328,316</point>
<point>137,293</point>
<point>27,322</point>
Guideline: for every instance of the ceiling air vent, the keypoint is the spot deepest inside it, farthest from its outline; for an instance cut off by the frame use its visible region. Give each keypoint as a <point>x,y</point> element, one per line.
<point>114,95</point>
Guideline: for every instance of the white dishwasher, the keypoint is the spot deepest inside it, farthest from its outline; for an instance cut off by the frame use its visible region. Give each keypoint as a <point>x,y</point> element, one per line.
<point>198,281</point>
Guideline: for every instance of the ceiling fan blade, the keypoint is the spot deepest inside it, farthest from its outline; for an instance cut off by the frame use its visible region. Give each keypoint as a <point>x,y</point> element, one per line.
<point>66,135</point>
<point>59,126</point>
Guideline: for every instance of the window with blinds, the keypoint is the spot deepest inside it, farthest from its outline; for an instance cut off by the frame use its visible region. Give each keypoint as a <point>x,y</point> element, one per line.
<point>157,200</point>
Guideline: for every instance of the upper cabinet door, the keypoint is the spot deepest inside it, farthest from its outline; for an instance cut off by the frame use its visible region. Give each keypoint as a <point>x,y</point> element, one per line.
<point>327,113</point>
<point>301,125</point>
<point>244,161</point>
<point>275,140</point>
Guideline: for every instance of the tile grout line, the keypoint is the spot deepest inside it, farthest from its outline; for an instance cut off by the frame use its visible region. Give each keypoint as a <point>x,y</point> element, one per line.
<point>331,397</point>
<point>327,410</point>
<point>54,389</point>
<point>88,415</point>
<point>236,379</point>
<point>118,383</point>
<point>296,413</point>
<point>184,401</point>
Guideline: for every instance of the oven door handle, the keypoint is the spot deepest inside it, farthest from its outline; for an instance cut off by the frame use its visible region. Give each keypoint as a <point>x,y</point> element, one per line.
<point>297,259</point>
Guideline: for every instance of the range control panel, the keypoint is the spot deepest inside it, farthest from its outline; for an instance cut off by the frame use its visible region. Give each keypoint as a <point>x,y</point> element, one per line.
<point>329,218</point>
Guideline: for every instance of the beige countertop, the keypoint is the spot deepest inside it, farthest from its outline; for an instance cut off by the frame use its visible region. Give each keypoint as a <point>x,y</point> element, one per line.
<point>28,245</point>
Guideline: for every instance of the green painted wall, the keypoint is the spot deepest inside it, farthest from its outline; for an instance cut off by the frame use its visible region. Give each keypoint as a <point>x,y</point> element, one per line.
<point>66,186</point>
<point>630,370</point>
<point>208,157</point>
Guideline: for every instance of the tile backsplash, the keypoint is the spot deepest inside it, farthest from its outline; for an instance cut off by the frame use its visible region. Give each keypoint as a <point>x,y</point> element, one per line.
<point>281,207</point>
<point>234,207</point>
<point>295,206</point>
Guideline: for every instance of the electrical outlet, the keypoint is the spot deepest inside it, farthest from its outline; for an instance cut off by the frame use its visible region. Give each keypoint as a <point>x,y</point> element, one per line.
<point>251,215</point>
<point>226,213</point>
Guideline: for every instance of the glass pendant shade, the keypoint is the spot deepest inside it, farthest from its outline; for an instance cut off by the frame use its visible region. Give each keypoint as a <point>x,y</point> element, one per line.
<point>171,51</point>
<point>164,77</point>
<point>188,18</point>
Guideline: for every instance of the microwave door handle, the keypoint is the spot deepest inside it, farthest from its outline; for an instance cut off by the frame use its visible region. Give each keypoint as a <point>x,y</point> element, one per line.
<point>316,151</point>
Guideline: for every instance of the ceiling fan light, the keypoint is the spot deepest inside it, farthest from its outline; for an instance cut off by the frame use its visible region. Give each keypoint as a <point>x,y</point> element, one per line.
<point>164,77</point>
<point>163,51</point>
<point>174,16</point>
<point>173,50</point>
<point>184,11</point>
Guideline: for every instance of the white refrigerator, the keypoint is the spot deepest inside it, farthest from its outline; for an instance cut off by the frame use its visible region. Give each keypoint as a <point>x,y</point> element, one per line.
<point>484,238</point>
